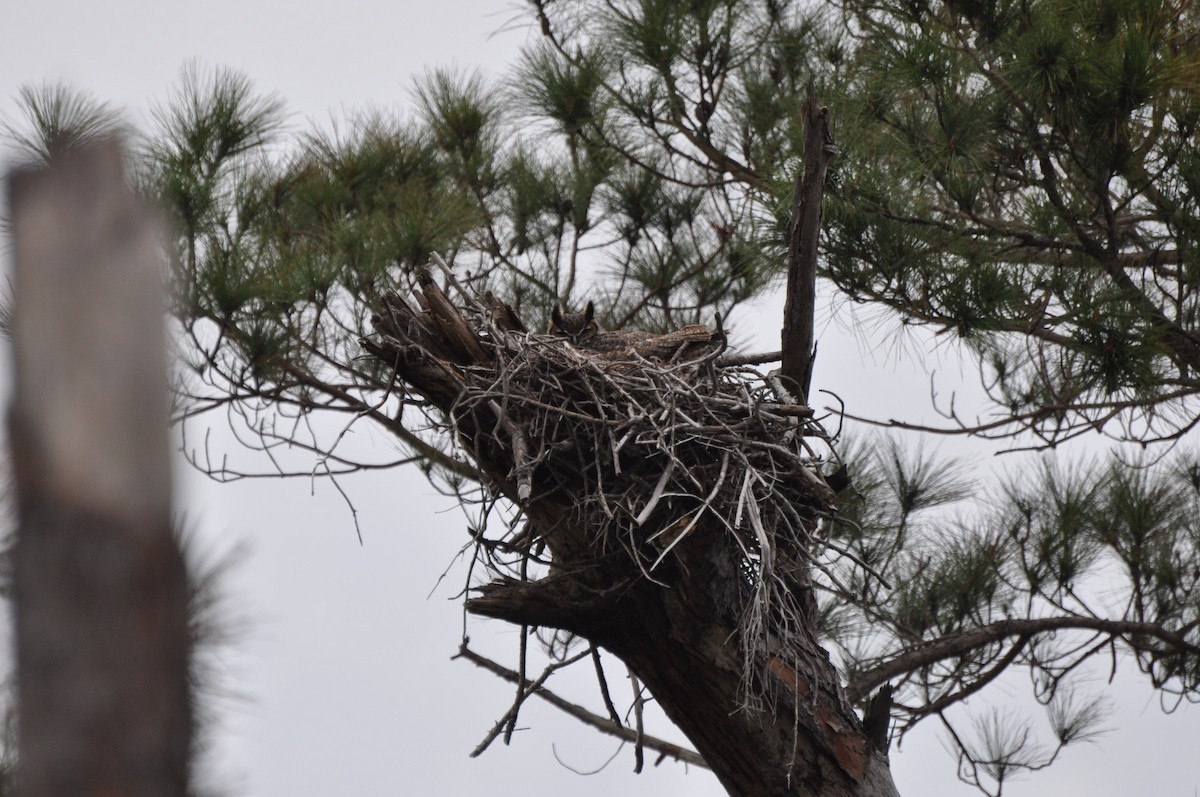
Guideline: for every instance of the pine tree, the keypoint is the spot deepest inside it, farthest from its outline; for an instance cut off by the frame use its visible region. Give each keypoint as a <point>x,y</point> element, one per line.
<point>1024,175</point>
<point>1019,174</point>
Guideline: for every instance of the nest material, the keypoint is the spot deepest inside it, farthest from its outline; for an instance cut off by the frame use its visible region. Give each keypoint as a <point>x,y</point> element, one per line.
<point>640,451</point>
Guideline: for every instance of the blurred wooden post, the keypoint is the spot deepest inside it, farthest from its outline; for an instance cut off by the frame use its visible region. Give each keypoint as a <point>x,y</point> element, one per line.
<point>100,585</point>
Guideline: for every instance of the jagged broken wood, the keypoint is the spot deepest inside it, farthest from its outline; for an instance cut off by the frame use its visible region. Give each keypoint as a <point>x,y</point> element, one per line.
<point>799,312</point>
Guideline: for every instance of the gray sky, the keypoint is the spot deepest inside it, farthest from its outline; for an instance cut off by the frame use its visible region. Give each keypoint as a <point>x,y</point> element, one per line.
<point>342,683</point>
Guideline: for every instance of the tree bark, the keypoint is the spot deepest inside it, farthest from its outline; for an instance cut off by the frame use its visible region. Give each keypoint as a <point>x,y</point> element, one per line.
<point>100,585</point>
<point>679,640</point>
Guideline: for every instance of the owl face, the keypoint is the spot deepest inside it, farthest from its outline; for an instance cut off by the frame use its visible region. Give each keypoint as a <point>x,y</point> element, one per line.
<point>577,327</point>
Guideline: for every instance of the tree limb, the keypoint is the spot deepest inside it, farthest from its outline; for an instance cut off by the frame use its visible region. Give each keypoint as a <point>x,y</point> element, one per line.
<point>665,748</point>
<point>807,203</point>
<point>948,647</point>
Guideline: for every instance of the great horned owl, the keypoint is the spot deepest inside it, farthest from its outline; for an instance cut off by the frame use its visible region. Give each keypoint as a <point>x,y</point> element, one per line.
<point>583,331</point>
<point>579,328</point>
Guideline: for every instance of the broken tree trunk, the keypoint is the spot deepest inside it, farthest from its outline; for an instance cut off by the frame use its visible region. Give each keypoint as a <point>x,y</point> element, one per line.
<point>678,503</point>
<point>100,587</point>
<point>799,345</point>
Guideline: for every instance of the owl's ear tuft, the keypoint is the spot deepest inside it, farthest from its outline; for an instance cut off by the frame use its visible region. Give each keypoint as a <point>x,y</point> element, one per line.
<point>589,312</point>
<point>556,315</point>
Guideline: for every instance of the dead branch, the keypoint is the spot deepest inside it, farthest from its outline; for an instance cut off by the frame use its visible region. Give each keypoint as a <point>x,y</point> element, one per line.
<point>611,727</point>
<point>807,203</point>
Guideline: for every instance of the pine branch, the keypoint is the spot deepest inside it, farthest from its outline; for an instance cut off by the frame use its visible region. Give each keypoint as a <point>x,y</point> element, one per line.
<point>962,644</point>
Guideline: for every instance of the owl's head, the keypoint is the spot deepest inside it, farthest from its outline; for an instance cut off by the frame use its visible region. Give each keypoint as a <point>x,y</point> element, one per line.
<point>577,327</point>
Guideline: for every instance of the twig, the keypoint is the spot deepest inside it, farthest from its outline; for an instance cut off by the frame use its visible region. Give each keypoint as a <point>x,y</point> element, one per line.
<point>639,722</point>
<point>603,682</point>
<point>730,360</point>
<point>583,715</point>
<point>524,689</point>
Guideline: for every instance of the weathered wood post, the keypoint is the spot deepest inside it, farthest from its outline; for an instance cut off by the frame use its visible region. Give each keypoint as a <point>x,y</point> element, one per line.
<point>100,584</point>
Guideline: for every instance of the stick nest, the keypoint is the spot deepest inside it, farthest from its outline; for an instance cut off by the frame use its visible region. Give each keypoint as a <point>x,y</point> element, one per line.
<point>634,454</point>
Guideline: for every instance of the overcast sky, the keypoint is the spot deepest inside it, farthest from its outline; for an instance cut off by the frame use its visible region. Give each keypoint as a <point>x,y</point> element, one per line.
<point>342,682</point>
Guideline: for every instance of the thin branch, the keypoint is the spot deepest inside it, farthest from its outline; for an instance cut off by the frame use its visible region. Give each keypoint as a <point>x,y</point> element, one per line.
<point>580,713</point>
<point>961,644</point>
